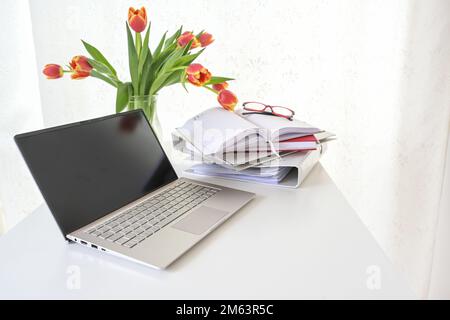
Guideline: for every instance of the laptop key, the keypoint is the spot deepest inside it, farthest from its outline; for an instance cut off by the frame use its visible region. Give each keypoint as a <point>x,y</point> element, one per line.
<point>140,238</point>
<point>121,240</point>
<point>106,235</point>
<point>147,233</point>
<point>129,244</point>
<point>96,233</point>
<point>114,237</point>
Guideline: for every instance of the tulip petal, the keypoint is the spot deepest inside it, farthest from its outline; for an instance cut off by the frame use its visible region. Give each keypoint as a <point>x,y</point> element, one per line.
<point>220,86</point>
<point>197,74</point>
<point>53,71</point>
<point>205,39</point>
<point>137,19</point>
<point>227,99</point>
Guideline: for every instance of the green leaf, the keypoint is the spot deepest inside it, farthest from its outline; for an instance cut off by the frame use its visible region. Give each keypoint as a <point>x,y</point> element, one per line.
<point>157,84</point>
<point>145,52</point>
<point>130,93</point>
<point>188,47</point>
<point>159,61</point>
<point>157,64</point>
<point>100,67</point>
<point>122,96</point>
<point>216,80</point>
<point>199,34</point>
<point>101,76</point>
<point>188,59</point>
<point>144,84</point>
<point>97,55</point>
<point>165,71</point>
<point>173,38</point>
<point>133,60</point>
<point>172,60</point>
<point>177,69</point>
<point>166,53</point>
<point>171,79</point>
<point>175,77</point>
<point>160,46</point>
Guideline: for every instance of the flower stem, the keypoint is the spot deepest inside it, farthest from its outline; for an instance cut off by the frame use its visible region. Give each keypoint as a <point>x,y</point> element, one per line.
<point>211,89</point>
<point>138,44</point>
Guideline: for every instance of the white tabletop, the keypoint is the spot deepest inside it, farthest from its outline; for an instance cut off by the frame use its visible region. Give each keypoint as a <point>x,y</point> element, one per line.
<point>300,243</point>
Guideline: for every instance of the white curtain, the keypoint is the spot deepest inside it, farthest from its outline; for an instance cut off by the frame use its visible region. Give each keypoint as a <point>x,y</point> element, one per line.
<point>440,281</point>
<point>374,72</point>
<point>20,110</point>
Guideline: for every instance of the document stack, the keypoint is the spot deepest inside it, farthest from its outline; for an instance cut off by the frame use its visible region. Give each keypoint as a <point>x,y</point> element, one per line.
<point>253,147</point>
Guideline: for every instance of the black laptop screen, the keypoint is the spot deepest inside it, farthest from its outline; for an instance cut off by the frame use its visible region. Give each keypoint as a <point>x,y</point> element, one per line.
<point>88,169</point>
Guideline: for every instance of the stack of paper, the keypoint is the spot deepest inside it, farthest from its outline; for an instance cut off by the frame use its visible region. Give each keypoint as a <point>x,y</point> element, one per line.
<point>249,147</point>
<point>272,175</point>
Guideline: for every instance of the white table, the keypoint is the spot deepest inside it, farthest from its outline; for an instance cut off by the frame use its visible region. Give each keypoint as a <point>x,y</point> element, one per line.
<point>302,243</point>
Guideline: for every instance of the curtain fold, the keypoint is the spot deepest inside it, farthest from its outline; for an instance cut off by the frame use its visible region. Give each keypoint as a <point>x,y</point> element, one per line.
<point>439,287</point>
<point>421,140</point>
<point>20,109</point>
<point>2,223</point>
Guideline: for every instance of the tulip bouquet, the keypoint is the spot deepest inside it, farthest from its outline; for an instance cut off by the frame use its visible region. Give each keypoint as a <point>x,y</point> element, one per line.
<point>171,62</point>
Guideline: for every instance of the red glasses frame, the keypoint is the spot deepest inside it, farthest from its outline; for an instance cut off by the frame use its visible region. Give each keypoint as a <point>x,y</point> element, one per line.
<point>268,107</point>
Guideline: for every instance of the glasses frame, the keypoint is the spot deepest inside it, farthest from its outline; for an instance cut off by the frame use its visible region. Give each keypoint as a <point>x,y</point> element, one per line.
<point>267,107</point>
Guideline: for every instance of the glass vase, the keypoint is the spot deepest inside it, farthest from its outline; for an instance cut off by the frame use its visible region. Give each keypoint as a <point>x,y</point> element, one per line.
<point>149,105</point>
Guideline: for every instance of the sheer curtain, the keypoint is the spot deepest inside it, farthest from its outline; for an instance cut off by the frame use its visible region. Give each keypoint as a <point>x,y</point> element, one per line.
<point>374,72</point>
<point>20,110</point>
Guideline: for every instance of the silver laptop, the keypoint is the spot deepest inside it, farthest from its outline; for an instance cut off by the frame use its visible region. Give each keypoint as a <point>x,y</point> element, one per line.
<point>111,187</point>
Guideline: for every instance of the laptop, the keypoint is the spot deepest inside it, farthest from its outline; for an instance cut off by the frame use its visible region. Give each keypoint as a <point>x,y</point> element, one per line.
<point>110,186</point>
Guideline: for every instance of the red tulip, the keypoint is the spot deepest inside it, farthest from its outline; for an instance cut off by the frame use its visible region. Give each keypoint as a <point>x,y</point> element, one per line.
<point>80,67</point>
<point>137,19</point>
<point>227,99</point>
<point>53,71</point>
<point>205,39</point>
<point>185,38</point>
<point>220,86</point>
<point>197,74</point>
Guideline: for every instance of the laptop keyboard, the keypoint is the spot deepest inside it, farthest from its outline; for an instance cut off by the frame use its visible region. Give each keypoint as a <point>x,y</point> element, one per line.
<point>148,217</point>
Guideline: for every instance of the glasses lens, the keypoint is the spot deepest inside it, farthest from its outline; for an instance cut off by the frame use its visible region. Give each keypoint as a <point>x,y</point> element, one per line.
<point>256,106</point>
<point>282,111</point>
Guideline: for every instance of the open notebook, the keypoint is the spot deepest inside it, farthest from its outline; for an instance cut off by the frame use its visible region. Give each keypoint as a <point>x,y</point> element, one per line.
<point>218,133</point>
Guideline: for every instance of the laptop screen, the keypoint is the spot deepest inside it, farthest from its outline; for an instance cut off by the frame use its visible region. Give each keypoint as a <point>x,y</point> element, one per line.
<point>89,169</point>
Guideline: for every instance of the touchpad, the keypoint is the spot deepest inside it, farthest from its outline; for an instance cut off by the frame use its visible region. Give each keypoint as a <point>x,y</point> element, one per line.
<point>200,220</point>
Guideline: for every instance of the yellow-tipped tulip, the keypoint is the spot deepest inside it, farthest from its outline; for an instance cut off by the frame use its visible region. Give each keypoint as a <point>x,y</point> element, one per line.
<point>137,19</point>
<point>227,99</point>
<point>185,38</point>
<point>220,86</point>
<point>53,71</point>
<point>197,74</point>
<point>205,39</point>
<point>80,67</point>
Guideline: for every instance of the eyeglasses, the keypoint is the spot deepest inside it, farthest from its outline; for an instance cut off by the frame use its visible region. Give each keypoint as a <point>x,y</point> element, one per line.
<point>261,108</point>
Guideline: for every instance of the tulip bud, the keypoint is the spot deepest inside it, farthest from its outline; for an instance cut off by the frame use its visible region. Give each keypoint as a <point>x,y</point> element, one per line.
<point>185,38</point>
<point>205,39</point>
<point>220,86</point>
<point>227,99</point>
<point>197,74</point>
<point>137,19</point>
<point>53,71</point>
<point>80,67</point>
